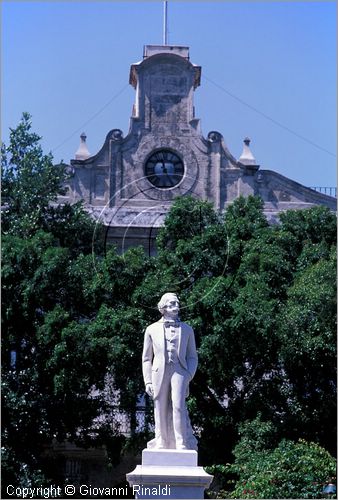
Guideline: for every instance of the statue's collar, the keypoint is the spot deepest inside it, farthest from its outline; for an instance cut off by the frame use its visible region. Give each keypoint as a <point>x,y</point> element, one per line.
<point>174,321</point>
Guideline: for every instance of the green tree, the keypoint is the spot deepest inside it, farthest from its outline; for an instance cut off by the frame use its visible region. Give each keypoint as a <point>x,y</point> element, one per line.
<point>55,362</point>
<point>234,276</point>
<point>264,469</point>
<point>30,181</point>
<point>68,335</point>
<point>308,353</point>
<point>189,217</point>
<point>261,300</point>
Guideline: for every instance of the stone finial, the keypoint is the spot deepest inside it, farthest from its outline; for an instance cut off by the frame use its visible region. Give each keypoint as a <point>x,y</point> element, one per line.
<point>247,157</point>
<point>82,153</point>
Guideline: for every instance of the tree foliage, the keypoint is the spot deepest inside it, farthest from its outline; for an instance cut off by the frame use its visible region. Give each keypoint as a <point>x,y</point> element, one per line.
<point>261,299</point>
<point>30,181</point>
<point>264,469</point>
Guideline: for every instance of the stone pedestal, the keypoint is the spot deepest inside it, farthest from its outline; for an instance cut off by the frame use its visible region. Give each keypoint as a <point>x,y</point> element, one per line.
<point>169,474</point>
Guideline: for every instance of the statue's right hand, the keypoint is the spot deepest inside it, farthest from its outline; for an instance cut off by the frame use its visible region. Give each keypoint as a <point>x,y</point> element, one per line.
<point>150,390</point>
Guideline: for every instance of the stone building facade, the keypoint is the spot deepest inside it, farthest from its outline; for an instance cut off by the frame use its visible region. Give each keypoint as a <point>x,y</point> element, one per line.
<point>130,183</point>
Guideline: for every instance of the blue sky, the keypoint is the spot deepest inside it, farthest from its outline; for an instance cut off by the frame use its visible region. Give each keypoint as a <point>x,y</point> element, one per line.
<point>268,72</point>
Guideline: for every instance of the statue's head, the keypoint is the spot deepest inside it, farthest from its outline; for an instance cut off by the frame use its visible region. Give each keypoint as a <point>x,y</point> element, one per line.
<point>169,305</point>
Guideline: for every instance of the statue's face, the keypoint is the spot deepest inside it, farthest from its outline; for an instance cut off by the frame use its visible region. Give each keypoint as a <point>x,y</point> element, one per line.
<point>172,308</point>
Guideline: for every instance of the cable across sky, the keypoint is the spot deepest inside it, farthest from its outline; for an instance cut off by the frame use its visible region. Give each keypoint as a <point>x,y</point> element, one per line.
<point>61,58</point>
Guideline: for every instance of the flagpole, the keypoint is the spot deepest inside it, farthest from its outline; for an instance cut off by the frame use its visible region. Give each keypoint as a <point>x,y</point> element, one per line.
<point>165,23</point>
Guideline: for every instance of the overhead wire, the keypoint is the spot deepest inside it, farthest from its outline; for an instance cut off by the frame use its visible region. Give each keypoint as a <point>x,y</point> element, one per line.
<point>233,96</point>
<point>281,125</point>
<point>115,96</point>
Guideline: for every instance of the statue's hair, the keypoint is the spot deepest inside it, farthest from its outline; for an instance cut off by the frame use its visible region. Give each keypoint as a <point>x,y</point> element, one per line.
<point>164,299</point>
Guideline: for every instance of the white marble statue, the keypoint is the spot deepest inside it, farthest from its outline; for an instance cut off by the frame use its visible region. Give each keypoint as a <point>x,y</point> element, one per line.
<point>169,362</point>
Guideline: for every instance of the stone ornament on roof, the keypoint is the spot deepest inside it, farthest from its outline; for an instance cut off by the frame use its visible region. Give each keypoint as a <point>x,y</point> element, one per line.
<point>82,153</point>
<point>247,158</point>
